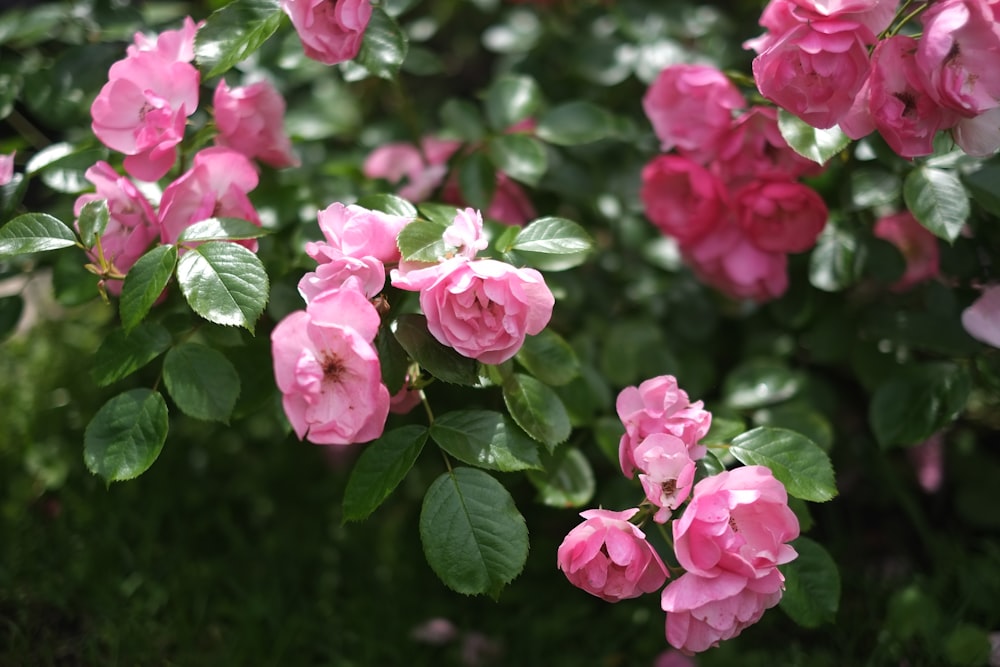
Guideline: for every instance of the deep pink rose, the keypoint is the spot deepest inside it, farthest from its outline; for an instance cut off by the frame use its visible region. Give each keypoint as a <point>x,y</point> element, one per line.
<point>328,371</point>
<point>703,611</point>
<point>666,472</point>
<point>251,120</point>
<point>729,261</point>
<point>814,70</point>
<point>737,522</point>
<point>483,308</point>
<point>170,45</point>
<point>781,16</point>
<point>7,167</point>
<point>366,275</point>
<point>609,557</point>
<point>918,246</point>
<point>691,108</point>
<point>982,319</point>
<point>357,232</point>
<point>682,198</point>
<point>331,30</point>
<point>780,216</point>
<point>215,186</point>
<point>754,149</point>
<point>658,405</point>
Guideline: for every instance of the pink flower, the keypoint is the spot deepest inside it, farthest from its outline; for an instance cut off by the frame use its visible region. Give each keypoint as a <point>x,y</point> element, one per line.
<point>658,405</point>
<point>672,658</point>
<point>737,522</point>
<point>366,275</point>
<point>691,108</point>
<point>927,459</point>
<point>357,232</point>
<point>754,149</point>
<point>465,233</point>
<point>175,46</point>
<point>682,198</point>
<point>979,136</point>
<point>483,308</point>
<point>251,120</point>
<point>216,186</point>
<point>780,216</point>
<point>729,261</point>
<point>331,30</point>
<point>405,399</point>
<point>666,472</point>
<point>132,225</point>
<point>7,167</point>
<point>609,557</point>
<point>982,319</point>
<point>702,611</point>
<point>328,370</point>
<point>814,70</point>
<point>918,246</point>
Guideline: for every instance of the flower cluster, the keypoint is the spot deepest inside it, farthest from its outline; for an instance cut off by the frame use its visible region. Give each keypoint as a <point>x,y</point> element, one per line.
<point>840,62</point>
<point>729,192</point>
<point>729,540</point>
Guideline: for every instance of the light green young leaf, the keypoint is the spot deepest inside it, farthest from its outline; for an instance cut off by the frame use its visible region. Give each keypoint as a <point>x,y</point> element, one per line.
<point>92,221</point>
<point>420,241</point>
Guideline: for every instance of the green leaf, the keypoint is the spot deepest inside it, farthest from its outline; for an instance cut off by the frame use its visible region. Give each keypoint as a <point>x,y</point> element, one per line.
<point>224,282</point>
<point>11,308</point>
<point>549,358</point>
<point>235,32</point>
<point>420,241</point>
<point>759,382</point>
<point>575,123</point>
<point>34,232</point>
<point>838,259</point>
<point>388,203</point>
<point>984,186</point>
<point>567,482</point>
<point>510,100</point>
<point>812,585</point>
<point>392,357</point>
<point>473,536</point>
<point>809,142</point>
<point>919,401</point>
<point>221,229</point>
<point>477,180</point>
<point>537,409</point>
<point>63,167</point>
<point>485,439</point>
<point>202,382</point>
<point>122,354</point>
<point>126,435</point>
<point>723,430</point>
<point>463,119</point>
<point>938,201</point>
<point>800,417</point>
<point>93,221</point>
<point>554,236</point>
<point>381,467</point>
<point>144,283</point>
<point>796,461</point>
<point>439,360</point>
<point>519,156</point>
<point>384,46</point>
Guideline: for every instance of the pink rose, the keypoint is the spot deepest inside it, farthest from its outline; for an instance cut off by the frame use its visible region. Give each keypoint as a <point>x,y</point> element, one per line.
<point>483,308</point>
<point>465,233</point>
<point>215,186</point>
<point>781,16</point>
<point>729,261</point>
<point>658,405</point>
<point>366,275</point>
<point>918,246</point>
<point>703,611</point>
<point>666,472</point>
<point>331,31</point>
<point>328,370</point>
<point>927,459</point>
<point>814,70</point>
<point>7,167</point>
<point>609,557</point>
<point>510,204</point>
<point>175,46</point>
<point>982,319</point>
<point>691,108</point>
<point>132,225</point>
<point>682,198</point>
<point>979,136</point>
<point>737,522</point>
<point>251,120</point>
<point>754,149</point>
<point>780,216</point>
<point>358,232</point>
<point>405,399</point>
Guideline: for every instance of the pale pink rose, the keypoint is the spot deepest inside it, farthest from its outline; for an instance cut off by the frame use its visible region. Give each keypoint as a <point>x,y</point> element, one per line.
<point>7,167</point>
<point>666,472</point>
<point>703,611</point>
<point>979,136</point>
<point>918,246</point>
<point>328,370</point>
<point>814,70</point>
<point>331,31</point>
<point>142,110</point>
<point>358,232</point>
<point>691,108</point>
<point>754,149</point>
<point>609,557</point>
<point>465,233</point>
<point>251,120</point>
<point>982,319</point>
<point>483,308</point>
<point>366,275</point>
<point>170,45</point>
<point>682,198</point>
<point>737,522</point>
<point>658,405</point>
<point>780,216</point>
<point>729,261</point>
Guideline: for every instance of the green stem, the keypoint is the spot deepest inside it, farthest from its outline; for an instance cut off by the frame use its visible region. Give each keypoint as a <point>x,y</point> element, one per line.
<point>26,129</point>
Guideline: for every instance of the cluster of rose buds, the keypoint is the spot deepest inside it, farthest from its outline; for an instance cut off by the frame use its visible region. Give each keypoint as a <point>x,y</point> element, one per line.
<point>842,62</point>
<point>729,540</point>
<point>728,193</point>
